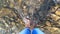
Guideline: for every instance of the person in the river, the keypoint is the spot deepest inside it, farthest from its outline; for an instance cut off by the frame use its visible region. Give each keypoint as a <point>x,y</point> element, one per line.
<point>30,30</point>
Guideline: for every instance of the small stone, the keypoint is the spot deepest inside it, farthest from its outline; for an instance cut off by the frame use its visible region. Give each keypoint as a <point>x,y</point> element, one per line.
<point>24,7</point>
<point>48,23</point>
<point>55,17</point>
<point>57,12</point>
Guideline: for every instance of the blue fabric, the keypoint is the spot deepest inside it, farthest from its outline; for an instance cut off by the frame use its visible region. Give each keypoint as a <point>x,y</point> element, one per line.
<point>34,31</point>
<point>37,31</point>
<point>25,31</point>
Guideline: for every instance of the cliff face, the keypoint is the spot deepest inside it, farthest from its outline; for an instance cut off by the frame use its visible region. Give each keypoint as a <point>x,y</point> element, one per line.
<point>46,12</point>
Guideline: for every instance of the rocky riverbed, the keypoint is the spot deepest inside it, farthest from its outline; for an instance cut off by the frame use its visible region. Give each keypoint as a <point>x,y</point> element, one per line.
<point>46,12</point>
